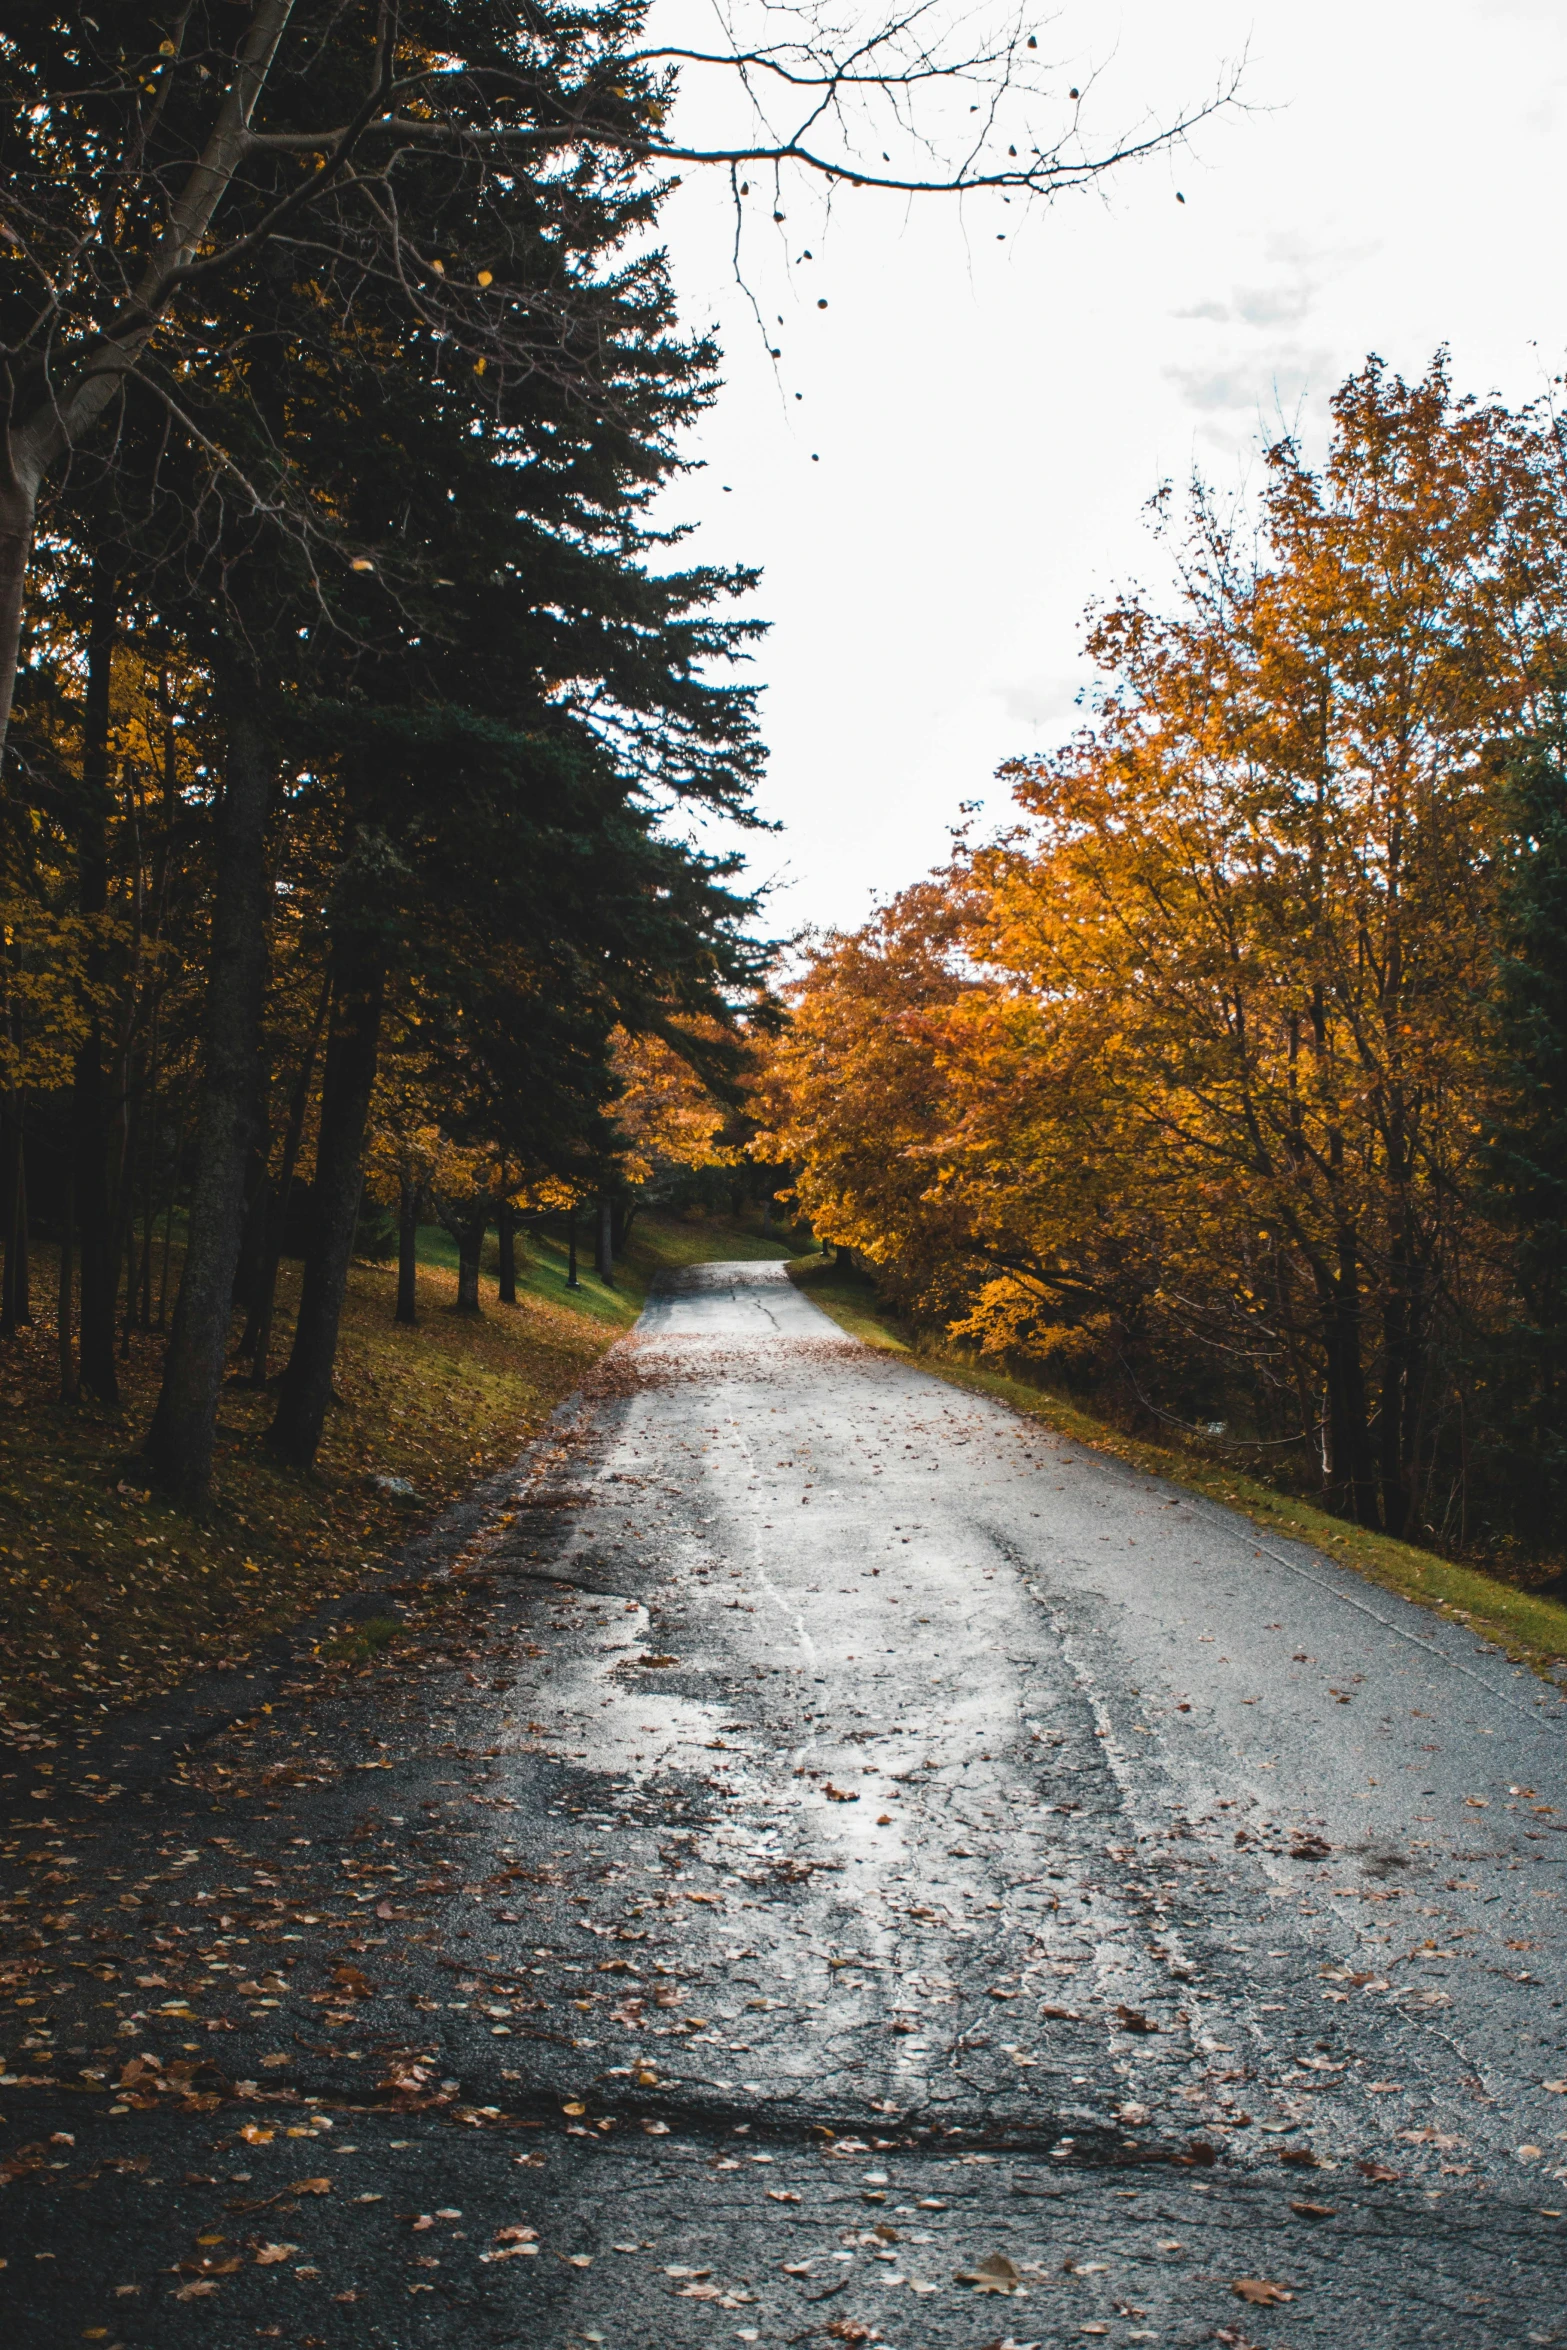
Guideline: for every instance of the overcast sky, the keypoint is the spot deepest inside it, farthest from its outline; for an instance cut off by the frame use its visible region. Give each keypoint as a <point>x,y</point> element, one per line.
<point>991,396</point>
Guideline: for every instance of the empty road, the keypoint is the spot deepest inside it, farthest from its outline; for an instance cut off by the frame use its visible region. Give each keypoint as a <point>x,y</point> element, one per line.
<point>811,1857</point>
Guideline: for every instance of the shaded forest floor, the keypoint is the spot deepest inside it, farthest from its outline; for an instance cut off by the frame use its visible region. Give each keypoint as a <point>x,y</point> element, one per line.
<point>1530,1626</point>
<point>108,1596</point>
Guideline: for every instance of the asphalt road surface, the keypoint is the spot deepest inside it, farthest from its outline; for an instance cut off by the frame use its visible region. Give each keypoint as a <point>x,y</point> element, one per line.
<point>823,1861</point>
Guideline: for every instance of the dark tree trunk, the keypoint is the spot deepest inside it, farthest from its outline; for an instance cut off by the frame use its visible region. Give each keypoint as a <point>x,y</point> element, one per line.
<point>604,1259</point>
<point>470,1248</point>
<point>353,1044</point>
<point>1351,1473</point>
<point>12,1286</point>
<point>64,1299</point>
<point>277,1201</point>
<point>571,1252</point>
<point>408,1252</point>
<point>506,1239</point>
<point>148,1209</point>
<point>1394,1402</point>
<point>258,1218</point>
<point>90,1088</point>
<point>179,1442</point>
<point>24,1298</point>
<point>128,1319</point>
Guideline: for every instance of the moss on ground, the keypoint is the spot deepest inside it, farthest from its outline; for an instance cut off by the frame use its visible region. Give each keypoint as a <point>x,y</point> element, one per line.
<point>1529,1626</point>
<point>109,1596</point>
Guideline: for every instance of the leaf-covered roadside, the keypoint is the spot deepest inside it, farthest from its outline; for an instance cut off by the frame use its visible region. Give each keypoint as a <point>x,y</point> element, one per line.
<point>109,1595</point>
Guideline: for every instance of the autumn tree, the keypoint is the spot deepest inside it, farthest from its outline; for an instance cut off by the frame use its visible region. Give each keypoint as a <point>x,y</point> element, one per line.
<point>1204,1118</point>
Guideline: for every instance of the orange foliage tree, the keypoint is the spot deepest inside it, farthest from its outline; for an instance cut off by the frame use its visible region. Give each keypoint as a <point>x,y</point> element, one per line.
<point>1197,1060</point>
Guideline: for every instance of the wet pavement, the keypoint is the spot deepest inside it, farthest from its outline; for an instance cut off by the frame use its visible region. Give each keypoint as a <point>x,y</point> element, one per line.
<point>809,1858</point>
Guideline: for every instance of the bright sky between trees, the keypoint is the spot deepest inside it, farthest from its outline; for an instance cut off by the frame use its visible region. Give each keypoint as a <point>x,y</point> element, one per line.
<point>991,396</point>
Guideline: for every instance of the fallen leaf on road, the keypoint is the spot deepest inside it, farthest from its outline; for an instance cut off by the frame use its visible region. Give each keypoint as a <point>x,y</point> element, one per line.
<point>1378,2173</point>
<point>254,2135</point>
<point>1133,2114</point>
<point>1559,2088</point>
<point>1132,2019</point>
<point>782,2195</point>
<point>1316,2210</point>
<point>1260,2291</point>
<point>839,1794</point>
<point>309,2187</point>
<point>994,2274</point>
<point>195,2289</point>
<point>268,2255</point>
<point>1440,2139</point>
<point>1066,2015</point>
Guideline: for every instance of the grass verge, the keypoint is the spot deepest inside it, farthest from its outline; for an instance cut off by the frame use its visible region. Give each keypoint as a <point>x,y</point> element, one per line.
<point>1528,1626</point>
<point>108,1596</point>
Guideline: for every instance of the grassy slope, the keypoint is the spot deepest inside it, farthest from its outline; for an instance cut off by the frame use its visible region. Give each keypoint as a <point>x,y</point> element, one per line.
<point>1529,1626</point>
<point>108,1595</point>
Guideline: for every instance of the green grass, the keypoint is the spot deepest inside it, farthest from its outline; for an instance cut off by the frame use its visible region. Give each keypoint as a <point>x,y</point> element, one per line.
<point>658,1244</point>
<point>1529,1626</point>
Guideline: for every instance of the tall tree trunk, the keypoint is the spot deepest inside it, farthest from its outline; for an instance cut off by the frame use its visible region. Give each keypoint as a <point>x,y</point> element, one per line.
<point>470,1248</point>
<point>1351,1475</point>
<point>353,1043</point>
<point>255,1230</point>
<point>12,1282</point>
<point>506,1241</point>
<point>278,1201</point>
<point>408,1252</point>
<point>604,1259</point>
<point>1394,1399</point>
<point>179,1443</point>
<point>128,1320</point>
<point>64,1299</point>
<point>571,1250</point>
<point>176,1161</point>
<point>96,1220</point>
<point>24,1298</point>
